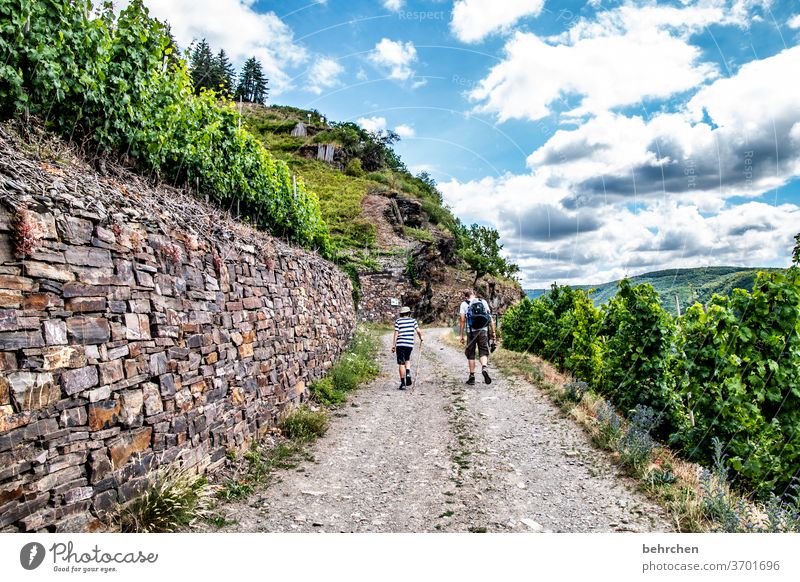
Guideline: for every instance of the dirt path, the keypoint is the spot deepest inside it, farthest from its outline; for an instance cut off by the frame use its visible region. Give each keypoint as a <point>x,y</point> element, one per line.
<point>449,457</point>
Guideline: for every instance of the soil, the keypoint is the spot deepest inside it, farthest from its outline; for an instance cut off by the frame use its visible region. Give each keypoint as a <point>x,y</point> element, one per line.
<point>496,457</point>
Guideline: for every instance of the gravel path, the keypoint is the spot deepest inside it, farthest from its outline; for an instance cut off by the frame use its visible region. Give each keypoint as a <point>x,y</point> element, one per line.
<point>449,457</point>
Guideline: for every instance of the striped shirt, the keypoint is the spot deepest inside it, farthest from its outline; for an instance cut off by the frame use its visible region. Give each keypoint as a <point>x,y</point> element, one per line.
<point>405,328</point>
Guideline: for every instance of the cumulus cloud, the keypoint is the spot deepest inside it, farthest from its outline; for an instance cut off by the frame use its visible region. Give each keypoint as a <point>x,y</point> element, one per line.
<point>373,124</point>
<point>395,56</point>
<point>236,26</point>
<point>604,68</point>
<point>474,20</point>
<point>794,22</point>
<point>405,131</point>
<point>324,74</point>
<point>393,5</point>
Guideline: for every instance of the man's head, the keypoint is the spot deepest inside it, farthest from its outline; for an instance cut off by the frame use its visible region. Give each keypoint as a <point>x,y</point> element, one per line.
<point>468,294</point>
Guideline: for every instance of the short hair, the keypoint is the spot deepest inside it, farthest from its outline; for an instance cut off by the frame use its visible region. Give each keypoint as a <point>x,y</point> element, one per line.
<point>468,293</point>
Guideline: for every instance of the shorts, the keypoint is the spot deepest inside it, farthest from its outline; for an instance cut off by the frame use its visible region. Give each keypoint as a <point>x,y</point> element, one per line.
<point>479,339</point>
<point>403,354</point>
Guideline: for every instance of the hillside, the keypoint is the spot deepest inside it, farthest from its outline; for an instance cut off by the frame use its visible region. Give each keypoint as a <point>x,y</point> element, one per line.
<point>688,285</point>
<point>391,228</point>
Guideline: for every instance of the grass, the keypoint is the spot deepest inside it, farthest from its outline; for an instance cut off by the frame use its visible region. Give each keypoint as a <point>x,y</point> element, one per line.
<point>304,424</point>
<point>260,464</point>
<point>356,366</point>
<point>418,234</point>
<point>174,499</point>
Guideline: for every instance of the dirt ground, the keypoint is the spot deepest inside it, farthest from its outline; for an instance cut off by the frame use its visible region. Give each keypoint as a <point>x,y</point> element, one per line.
<point>449,457</point>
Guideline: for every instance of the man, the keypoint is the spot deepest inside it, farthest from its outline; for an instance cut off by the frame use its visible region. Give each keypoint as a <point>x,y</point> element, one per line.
<point>403,343</point>
<point>477,320</point>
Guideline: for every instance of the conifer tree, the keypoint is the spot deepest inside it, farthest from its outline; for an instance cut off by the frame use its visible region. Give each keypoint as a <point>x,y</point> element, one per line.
<point>252,83</point>
<point>201,66</point>
<point>223,75</point>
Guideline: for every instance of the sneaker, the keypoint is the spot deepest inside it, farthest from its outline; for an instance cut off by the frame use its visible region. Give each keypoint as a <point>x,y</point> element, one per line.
<point>486,377</point>
<point>409,381</point>
<point>471,380</point>
<point>402,385</point>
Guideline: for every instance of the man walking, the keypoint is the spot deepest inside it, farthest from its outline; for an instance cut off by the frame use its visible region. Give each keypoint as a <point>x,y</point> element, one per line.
<point>403,342</point>
<point>477,319</point>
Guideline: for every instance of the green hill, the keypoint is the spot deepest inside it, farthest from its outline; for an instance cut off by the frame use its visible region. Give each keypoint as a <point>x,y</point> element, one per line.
<point>688,285</point>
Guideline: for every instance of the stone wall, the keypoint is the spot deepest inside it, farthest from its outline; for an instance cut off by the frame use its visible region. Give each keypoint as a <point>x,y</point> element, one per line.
<point>143,326</point>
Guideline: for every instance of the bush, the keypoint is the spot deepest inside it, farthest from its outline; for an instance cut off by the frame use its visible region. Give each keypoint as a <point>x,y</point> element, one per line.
<point>354,168</point>
<point>356,366</point>
<point>304,424</point>
<point>175,498</point>
<point>111,81</point>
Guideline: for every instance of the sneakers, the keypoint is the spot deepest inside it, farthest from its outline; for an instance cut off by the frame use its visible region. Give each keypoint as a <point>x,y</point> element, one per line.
<point>408,379</point>
<point>402,385</point>
<point>486,377</point>
<point>471,380</point>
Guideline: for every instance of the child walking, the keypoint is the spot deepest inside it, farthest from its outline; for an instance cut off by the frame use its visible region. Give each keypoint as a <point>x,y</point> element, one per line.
<point>403,343</point>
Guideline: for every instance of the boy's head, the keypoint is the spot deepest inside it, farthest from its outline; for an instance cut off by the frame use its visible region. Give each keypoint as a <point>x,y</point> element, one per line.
<point>405,310</point>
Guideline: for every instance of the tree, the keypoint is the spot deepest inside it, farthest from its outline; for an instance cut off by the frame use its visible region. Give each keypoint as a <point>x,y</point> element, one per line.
<point>481,250</point>
<point>796,252</point>
<point>201,67</point>
<point>171,51</point>
<point>252,83</point>
<point>222,74</point>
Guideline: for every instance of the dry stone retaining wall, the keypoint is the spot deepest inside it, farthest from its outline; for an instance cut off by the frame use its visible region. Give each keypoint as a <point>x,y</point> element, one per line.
<point>133,335</point>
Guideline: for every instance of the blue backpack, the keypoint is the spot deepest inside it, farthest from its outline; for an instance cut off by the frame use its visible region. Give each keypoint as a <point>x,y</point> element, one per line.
<point>477,316</point>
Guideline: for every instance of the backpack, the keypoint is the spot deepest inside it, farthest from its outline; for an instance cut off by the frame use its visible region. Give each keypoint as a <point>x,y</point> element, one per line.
<point>477,316</point>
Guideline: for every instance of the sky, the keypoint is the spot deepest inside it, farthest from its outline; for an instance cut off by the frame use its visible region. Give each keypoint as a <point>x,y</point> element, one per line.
<point>602,139</point>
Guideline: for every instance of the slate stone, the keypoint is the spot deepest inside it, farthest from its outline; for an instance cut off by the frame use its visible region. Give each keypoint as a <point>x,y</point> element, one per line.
<point>74,381</point>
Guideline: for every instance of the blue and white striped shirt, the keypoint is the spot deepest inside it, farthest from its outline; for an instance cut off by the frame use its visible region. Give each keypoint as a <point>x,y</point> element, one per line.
<point>405,328</point>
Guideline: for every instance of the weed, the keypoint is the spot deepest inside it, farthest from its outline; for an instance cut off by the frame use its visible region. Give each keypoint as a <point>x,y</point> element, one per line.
<point>304,424</point>
<point>174,499</point>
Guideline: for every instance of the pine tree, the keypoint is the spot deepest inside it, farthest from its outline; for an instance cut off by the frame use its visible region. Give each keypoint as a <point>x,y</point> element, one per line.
<point>223,75</point>
<point>201,67</point>
<point>252,83</point>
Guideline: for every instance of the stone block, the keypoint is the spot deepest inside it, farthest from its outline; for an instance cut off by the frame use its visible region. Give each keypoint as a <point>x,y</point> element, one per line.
<point>63,357</point>
<point>75,381</point>
<point>99,394</point>
<point>55,332</point>
<point>158,364</point>
<point>16,283</point>
<point>125,446</point>
<point>103,415</point>
<point>78,494</point>
<point>72,417</point>
<point>151,399</point>
<point>20,340</point>
<point>85,304</point>
<point>85,290</point>
<point>137,326</point>
<point>5,390</point>
<point>132,402</point>
<point>31,391</point>
<point>111,372</point>
<point>42,301</point>
<point>9,420</point>
<point>75,230</point>
<point>89,257</point>
<point>10,299</point>
<point>8,320</point>
<point>39,270</point>
<point>88,330</point>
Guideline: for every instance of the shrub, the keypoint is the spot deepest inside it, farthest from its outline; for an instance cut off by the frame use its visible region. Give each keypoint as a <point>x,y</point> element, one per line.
<point>354,168</point>
<point>175,498</point>
<point>304,424</point>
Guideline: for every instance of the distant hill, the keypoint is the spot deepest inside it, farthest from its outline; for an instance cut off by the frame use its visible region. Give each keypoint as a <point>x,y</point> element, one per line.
<point>688,285</point>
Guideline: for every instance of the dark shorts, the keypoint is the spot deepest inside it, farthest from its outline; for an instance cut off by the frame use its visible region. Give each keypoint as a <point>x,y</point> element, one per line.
<point>477,339</point>
<point>403,354</point>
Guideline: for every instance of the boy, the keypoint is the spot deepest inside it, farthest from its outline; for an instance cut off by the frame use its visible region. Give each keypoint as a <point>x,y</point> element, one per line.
<point>403,343</point>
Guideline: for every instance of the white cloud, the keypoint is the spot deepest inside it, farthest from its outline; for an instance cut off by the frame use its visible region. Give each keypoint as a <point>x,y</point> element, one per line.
<point>794,22</point>
<point>474,20</point>
<point>624,194</point>
<point>396,56</point>
<point>324,75</point>
<point>373,124</point>
<point>405,131</point>
<point>393,5</point>
<point>237,27</point>
<point>605,71</point>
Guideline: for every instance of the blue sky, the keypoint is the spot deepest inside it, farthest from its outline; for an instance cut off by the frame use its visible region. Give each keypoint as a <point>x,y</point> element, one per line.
<point>600,138</point>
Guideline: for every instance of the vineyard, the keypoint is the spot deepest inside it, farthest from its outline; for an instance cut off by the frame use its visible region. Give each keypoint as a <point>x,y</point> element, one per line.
<point>114,84</point>
<point>727,371</point>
